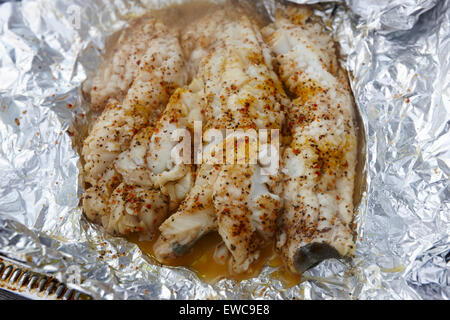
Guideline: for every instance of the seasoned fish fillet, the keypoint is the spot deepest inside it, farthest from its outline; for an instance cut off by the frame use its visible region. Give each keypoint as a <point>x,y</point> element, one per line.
<point>235,199</point>
<point>96,198</point>
<point>161,70</point>
<point>198,39</point>
<point>120,68</point>
<point>319,164</point>
<point>147,182</point>
<point>122,208</point>
<point>150,159</point>
<point>134,182</point>
<point>194,218</point>
<point>134,209</point>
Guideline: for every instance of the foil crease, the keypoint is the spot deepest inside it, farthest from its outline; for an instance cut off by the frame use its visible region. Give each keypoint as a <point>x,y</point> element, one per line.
<point>397,54</point>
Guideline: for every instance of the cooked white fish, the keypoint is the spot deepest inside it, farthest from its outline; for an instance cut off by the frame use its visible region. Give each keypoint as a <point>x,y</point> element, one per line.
<point>122,65</point>
<point>151,160</point>
<point>242,92</point>
<point>153,180</point>
<point>122,208</point>
<point>96,198</point>
<point>140,179</point>
<point>200,37</point>
<point>133,209</point>
<point>194,218</point>
<point>145,183</point>
<point>319,163</point>
<point>160,71</point>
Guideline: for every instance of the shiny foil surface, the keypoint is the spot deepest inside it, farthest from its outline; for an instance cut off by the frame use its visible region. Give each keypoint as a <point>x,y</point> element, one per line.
<point>398,57</point>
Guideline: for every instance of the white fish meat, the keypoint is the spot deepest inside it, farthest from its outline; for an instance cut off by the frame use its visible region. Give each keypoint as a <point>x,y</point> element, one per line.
<point>119,69</point>
<point>150,160</point>
<point>132,190</point>
<point>161,70</point>
<point>243,93</point>
<point>319,163</point>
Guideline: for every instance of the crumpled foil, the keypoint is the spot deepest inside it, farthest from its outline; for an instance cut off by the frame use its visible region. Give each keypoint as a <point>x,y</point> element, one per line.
<point>397,53</point>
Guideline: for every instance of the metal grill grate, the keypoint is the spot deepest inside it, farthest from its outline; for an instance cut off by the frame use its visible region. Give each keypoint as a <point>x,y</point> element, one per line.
<point>34,285</point>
